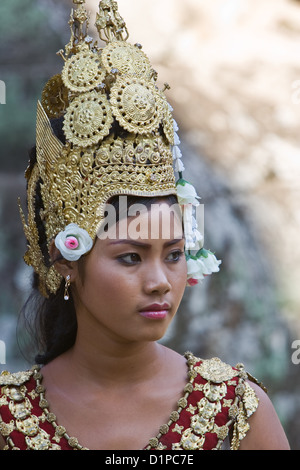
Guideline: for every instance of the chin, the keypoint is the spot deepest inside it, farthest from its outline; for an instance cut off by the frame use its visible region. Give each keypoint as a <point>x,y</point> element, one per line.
<point>156,334</point>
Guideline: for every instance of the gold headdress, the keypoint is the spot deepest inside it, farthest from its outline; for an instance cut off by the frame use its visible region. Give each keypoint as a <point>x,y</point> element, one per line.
<point>99,90</point>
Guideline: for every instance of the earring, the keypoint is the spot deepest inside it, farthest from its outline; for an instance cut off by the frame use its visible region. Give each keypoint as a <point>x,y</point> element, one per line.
<point>67,285</point>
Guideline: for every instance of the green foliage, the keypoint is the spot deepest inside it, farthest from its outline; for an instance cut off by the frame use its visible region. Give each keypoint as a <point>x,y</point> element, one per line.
<point>19,17</point>
<point>31,31</point>
<point>17,123</point>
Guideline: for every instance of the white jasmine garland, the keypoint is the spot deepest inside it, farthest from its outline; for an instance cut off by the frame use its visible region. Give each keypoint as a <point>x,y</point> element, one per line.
<point>188,199</point>
<point>179,167</point>
<point>193,238</point>
<point>81,242</point>
<point>176,138</point>
<point>204,262</point>
<point>176,153</point>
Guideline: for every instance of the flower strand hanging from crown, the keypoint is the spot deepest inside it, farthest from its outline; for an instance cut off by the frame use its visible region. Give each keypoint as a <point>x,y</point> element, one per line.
<point>200,262</point>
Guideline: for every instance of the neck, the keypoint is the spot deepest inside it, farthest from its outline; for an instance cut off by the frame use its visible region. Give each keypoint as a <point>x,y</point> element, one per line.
<point>110,364</point>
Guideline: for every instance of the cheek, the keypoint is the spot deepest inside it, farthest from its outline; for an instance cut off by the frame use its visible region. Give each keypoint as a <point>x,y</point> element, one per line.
<point>179,279</point>
<point>107,284</point>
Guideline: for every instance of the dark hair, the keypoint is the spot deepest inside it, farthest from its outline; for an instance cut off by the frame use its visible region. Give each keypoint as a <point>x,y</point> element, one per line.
<point>52,321</point>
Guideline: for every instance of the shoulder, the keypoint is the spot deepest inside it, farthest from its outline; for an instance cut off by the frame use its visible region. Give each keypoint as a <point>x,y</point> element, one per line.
<point>255,422</point>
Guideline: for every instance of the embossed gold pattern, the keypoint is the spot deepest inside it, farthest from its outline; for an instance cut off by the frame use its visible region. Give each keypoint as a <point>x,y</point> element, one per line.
<point>83,71</point>
<point>127,59</point>
<point>136,105</point>
<point>88,119</point>
<point>17,378</point>
<point>55,97</point>
<point>202,420</point>
<point>216,371</point>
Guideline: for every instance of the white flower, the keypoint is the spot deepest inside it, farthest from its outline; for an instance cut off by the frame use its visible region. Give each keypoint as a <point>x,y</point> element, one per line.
<point>186,193</point>
<point>210,261</point>
<point>73,242</point>
<point>195,269</point>
<point>201,265</point>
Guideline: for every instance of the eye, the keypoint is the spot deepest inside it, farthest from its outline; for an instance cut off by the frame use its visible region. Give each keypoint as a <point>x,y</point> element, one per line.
<point>175,256</point>
<point>129,259</point>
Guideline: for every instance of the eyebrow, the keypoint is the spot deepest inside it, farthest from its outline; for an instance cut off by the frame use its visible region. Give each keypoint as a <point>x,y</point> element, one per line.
<point>126,241</point>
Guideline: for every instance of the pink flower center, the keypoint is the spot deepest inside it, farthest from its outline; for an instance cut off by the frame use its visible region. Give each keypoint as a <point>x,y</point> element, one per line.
<point>71,243</point>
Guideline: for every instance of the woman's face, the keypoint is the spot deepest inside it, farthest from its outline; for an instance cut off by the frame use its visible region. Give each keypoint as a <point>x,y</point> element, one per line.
<point>130,285</point>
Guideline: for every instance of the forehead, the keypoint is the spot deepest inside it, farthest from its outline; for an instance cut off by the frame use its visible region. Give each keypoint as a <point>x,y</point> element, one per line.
<point>158,221</point>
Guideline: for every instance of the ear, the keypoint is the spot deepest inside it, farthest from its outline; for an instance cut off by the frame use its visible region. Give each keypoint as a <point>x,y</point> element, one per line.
<point>62,266</point>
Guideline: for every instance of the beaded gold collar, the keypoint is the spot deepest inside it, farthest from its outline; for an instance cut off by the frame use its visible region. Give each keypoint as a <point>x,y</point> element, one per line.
<point>191,422</point>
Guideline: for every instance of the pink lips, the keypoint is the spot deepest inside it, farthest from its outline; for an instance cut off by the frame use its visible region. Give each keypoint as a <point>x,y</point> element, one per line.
<point>155,311</point>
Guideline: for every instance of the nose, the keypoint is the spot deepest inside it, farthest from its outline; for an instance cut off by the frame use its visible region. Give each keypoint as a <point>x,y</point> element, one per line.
<point>156,280</point>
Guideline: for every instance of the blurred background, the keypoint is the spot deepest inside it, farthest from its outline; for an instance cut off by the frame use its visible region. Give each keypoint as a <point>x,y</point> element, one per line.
<point>234,71</point>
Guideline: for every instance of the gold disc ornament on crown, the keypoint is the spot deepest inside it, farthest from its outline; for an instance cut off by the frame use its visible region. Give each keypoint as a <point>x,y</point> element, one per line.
<point>83,72</point>
<point>55,97</point>
<point>127,59</point>
<point>137,105</point>
<point>88,119</point>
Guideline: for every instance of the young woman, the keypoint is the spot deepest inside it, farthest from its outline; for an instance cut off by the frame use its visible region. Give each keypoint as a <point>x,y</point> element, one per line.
<point>116,386</point>
<point>107,288</point>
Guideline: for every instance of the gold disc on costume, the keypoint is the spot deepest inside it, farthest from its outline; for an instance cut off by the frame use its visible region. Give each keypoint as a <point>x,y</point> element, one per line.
<point>216,371</point>
<point>88,119</point>
<point>55,97</point>
<point>127,59</point>
<point>83,72</point>
<point>137,105</point>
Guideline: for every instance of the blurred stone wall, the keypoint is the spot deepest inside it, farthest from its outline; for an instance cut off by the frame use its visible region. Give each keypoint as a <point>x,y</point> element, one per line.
<point>234,71</point>
<point>233,67</point>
